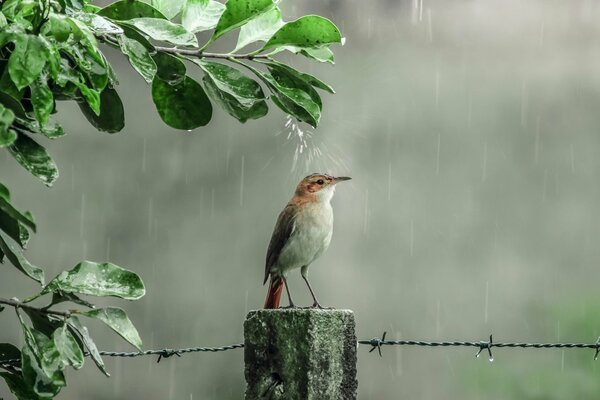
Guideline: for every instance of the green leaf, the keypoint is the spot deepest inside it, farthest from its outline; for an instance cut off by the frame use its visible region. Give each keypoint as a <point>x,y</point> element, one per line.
<point>51,129</point>
<point>7,135</point>
<point>11,227</point>
<point>165,31</point>
<point>230,80</point>
<point>118,321</point>
<point>3,21</point>
<point>230,104</point>
<point>68,348</point>
<point>41,363</point>
<point>237,13</point>
<point>260,28</point>
<point>11,249</point>
<point>91,96</point>
<point>19,387</point>
<point>98,24</point>
<point>128,9</point>
<point>183,105</point>
<point>41,99</point>
<point>4,192</point>
<point>169,68</point>
<point>139,57</point>
<point>201,15</point>
<point>13,213</point>
<point>9,352</point>
<point>34,158</point>
<point>27,59</point>
<point>294,74</point>
<point>83,333</point>
<point>322,54</point>
<point>111,117</point>
<point>310,31</point>
<point>98,279</point>
<point>291,100</point>
<point>170,8</point>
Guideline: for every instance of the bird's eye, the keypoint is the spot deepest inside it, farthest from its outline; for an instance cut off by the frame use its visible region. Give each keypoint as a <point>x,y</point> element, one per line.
<point>320,181</point>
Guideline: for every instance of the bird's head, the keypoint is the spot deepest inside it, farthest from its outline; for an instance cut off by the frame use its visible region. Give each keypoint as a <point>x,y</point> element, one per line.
<point>319,186</point>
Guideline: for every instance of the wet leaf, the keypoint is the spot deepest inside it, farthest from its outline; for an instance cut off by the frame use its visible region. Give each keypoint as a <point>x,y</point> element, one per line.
<point>27,59</point>
<point>165,31</point>
<point>98,279</point>
<point>34,158</point>
<point>67,347</point>
<point>60,297</point>
<point>230,104</point>
<point>290,78</point>
<point>19,387</point>
<point>260,29</point>
<point>98,24</point>
<point>310,31</point>
<point>139,57</point>
<point>11,250</point>
<point>238,12</point>
<point>111,117</point>
<point>9,352</point>
<point>83,334</point>
<point>7,135</point>
<point>244,90</point>
<point>41,99</point>
<point>170,8</point>
<point>201,15</point>
<point>183,105</point>
<point>118,321</point>
<point>128,9</point>
<point>169,68</point>
<point>12,212</point>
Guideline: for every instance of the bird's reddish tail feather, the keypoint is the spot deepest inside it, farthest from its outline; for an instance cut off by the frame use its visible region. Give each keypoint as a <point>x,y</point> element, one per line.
<point>276,286</point>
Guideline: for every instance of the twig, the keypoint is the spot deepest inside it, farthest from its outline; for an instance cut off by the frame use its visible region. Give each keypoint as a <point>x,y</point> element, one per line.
<point>17,304</point>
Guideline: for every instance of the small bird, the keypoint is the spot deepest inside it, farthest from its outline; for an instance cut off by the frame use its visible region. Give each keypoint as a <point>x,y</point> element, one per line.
<point>302,233</point>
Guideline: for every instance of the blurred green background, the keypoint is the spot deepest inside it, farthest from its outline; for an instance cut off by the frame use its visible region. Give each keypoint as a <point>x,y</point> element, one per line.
<point>471,129</point>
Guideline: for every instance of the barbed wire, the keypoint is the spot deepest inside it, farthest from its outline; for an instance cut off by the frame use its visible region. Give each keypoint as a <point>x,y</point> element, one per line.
<point>375,343</point>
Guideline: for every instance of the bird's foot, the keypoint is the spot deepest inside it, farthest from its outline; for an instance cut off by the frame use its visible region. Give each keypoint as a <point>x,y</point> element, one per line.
<point>318,306</point>
<point>290,307</point>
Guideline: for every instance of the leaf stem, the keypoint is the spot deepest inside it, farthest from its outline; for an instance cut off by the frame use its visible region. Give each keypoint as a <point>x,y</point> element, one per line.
<point>18,304</point>
<point>201,54</point>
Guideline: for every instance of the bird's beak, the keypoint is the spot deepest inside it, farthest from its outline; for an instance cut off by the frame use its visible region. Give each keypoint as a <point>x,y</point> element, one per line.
<point>341,179</point>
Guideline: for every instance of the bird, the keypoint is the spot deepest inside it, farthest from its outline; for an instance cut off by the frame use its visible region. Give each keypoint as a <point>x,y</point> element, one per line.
<point>302,233</point>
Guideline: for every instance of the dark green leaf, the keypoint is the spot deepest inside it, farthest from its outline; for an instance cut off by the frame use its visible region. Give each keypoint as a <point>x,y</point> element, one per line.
<point>9,352</point>
<point>128,9</point>
<point>91,96</point>
<point>58,26</point>
<point>169,68</point>
<point>238,12</point>
<point>260,29</point>
<point>139,57</point>
<point>4,192</point>
<point>11,249</point>
<point>68,348</point>
<point>310,31</point>
<point>230,104</point>
<point>27,59</point>
<point>98,279</point>
<point>7,135</point>
<point>42,322</point>
<point>11,227</point>
<point>84,335</point>
<point>6,207</point>
<point>34,159</point>
<point>41,99</point>
<point>170,8</point>
<point>11,103</point>
<point>183,105</point>
<point>118,321</point>
<point>230,80</point>
<point>111,118</point>
<point>19,387</point>
<point>7,85</point>
<point>201,15</point>
<point>165,31</point>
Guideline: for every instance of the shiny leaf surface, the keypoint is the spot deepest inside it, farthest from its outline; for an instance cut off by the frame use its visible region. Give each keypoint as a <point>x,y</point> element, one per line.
<point>119,322</point>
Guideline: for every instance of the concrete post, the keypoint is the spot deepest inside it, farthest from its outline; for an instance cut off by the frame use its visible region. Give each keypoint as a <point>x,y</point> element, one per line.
<point>300,354</point>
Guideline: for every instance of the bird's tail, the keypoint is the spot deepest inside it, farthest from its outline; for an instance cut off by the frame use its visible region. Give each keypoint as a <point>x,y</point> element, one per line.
<point>276,286</point>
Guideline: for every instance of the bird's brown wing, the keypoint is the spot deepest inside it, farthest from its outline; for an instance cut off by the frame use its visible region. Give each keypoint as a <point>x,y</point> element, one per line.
<point>284,228</point>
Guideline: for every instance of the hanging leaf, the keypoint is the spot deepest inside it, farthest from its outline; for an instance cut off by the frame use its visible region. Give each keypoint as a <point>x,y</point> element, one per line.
<point>27,59</point>
<point>139,57</point>
<point>165,31</point>
<point>83,334</point>
<point>260,29</point>
<point>183,105</point>
<point>67,347</point>
<point>321,54</point>
<point>111,117</point>
<point>19,387</point>
<point>128,9</point>
<point>201,15</point>
<point>11,250</point>
<point>230,104</point>
<point>237,13</point>
<point>118,321</point>
<point>98,279</point>
<point>41,99</point>
<point>310,31</point>
<point>169,68</point>
<point>34,158</point>
<point>13,213</point>
<point>7,135</point>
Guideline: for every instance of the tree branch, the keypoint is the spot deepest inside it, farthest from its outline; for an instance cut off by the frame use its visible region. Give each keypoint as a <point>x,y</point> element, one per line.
<point>17,304</point>
<point>201,54</point>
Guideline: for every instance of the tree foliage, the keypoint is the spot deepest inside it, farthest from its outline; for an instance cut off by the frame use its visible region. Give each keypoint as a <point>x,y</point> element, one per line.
<point>50,51</point>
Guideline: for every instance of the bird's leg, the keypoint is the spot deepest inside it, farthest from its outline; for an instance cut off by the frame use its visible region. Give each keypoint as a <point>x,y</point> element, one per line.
<point>316,303</point>
<point>287,289</point>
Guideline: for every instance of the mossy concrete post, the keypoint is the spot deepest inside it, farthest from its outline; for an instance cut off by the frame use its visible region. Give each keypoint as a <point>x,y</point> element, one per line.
<point>300,354</point>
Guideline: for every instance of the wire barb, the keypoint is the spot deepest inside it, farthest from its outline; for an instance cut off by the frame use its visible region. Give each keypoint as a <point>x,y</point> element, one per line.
<point>488,346</point>
<point>376,343</point>
<point>597,349</point>
<point>166,353</point>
